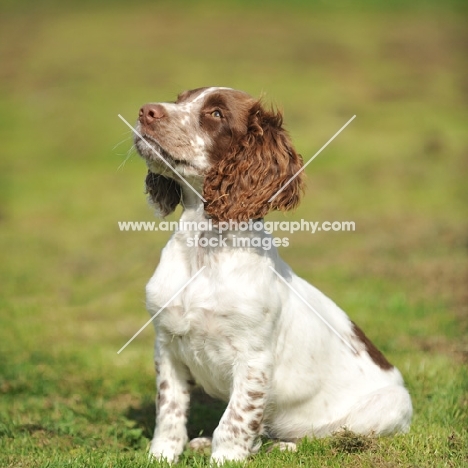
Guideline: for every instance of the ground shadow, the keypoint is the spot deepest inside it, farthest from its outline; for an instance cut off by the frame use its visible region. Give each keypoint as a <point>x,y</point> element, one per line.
<point>205,413</point>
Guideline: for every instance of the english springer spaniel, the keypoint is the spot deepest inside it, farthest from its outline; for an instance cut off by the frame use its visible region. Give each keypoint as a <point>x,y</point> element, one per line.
<point>237,320</point>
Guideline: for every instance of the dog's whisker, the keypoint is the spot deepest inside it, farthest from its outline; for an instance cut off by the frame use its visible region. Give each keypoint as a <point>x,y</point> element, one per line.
<point>130,152</point>
<point>229,312</point>
<point>128,138</point>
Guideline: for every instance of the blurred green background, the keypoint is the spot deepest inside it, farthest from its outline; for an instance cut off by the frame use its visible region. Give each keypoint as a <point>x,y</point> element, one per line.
<point>72,284</point>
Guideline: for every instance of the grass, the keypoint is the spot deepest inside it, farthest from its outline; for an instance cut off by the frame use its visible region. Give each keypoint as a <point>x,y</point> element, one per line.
<point>73,285</point>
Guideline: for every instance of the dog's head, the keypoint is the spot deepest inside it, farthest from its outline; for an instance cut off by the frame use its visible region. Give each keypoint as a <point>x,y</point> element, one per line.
<point>227,145</point>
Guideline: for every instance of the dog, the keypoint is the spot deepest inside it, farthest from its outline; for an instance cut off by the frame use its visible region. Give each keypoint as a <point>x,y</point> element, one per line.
<point>236,319</point>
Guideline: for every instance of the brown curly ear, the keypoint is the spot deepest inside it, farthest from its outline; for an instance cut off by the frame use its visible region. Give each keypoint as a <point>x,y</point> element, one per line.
<point>254,170</point>
<point>164,193</point>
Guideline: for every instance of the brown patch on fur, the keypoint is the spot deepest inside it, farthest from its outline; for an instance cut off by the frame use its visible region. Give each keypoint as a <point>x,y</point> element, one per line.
<point>161,399</point>
<point>252,169</point>
<point>164,385</point>
<point>255,425</point>
<point>249,408</point>
<point>235,415</point>
<point>191,93</point>
<point>255,395</point>
<point>372,351</point>
<point>173,406</point>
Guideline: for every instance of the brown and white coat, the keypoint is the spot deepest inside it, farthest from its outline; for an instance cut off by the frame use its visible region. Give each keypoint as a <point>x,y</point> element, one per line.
<point>237,329</point>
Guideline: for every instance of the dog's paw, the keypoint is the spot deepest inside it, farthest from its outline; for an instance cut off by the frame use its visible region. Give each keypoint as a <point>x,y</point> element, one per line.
<point>165,449</point>
<point>200,444</point>
<point>220,456</point>
<point>283,446</point>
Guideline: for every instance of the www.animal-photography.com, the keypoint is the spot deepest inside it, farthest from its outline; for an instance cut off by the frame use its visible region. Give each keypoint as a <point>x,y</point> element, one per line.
<point>234,234</point>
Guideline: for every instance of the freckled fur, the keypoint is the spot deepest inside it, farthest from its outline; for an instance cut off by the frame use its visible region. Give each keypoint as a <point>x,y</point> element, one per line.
<point>237,329</point>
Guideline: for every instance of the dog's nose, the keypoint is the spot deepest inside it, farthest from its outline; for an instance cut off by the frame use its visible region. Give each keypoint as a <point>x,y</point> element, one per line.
<point>151,112</point>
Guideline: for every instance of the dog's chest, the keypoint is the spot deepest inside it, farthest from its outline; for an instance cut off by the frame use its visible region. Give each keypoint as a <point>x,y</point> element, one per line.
<point>212,307</point>
<point>203,340</point>
<point>210,323</point>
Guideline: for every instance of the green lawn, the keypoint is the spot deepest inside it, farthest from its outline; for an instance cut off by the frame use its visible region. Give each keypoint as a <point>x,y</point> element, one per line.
<point>72,285</point>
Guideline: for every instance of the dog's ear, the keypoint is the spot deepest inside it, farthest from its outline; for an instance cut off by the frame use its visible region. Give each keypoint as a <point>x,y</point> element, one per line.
<point>164,193</point>
<point>256,168</point>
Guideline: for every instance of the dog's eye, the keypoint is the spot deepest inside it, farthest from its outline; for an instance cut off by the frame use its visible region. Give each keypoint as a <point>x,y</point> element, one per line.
<point>217,114</point>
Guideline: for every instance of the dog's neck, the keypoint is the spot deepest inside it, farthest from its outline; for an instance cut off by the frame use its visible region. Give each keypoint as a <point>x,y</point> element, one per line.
<point>193,211</point>
<point>192,201</point>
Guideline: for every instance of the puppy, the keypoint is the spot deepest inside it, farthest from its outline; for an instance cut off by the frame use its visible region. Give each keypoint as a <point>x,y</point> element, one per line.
<point>235,318</point>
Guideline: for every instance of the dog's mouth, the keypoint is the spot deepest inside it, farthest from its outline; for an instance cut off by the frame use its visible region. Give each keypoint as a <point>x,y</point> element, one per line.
<point>151,150</point>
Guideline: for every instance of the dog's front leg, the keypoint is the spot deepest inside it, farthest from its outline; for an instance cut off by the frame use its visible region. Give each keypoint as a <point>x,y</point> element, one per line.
<point>242,422</point>
<point>174,383</point>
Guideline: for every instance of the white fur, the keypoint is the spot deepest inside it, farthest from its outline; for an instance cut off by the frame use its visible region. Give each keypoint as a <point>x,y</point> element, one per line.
<point>248,339</point>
